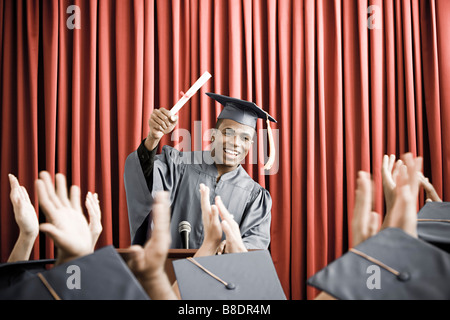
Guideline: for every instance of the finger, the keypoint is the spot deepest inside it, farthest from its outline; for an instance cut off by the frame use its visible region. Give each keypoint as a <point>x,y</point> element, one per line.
<point>75,197</point>
<point>155,125</point>
<point>61,189</point>
<point>223,211</point>
<point>402,177</point>
<point>229,232</point>
<point>90,208</point>
<point>221,248</point>
<point>13,182</point>
<point>50,188</point>
<point>25,195</point>
<point>204,199</point>
<point>166,113</point>
<point>214,213</point>
<point>45,203</point>
<point>397,166</point>
<point>52,231</point>
<point>418,162</point>
<point>391,162</point>
<point>15,197</point>
<point>182,93</point>
<point>408,159</point>
<point>96,203</point>
<point>385,163</point>
<point>172,118</point>
<point>374,223</point>
<point>161,213</point>
<point>162,119</point>
<point>363,200</point>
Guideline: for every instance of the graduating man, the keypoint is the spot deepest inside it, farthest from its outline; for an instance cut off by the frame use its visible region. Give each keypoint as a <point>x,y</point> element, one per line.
<point>181,173</point>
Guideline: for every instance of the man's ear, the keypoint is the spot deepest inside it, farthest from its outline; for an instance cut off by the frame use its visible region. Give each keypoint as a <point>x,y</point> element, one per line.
<point>213,134</point>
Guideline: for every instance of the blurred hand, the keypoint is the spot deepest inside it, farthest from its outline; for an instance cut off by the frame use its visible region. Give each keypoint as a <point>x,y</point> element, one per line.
<point>365,222</point>
<point>95,222</point>
<point>26,219</point>
<point>404,211</point>
<point>429,189</point>
<point>66,223</point>
<point>233,236</point>
<point>389,172</point>
<point>24,212</point>
<point>147,263</point>
<point>210,217</point>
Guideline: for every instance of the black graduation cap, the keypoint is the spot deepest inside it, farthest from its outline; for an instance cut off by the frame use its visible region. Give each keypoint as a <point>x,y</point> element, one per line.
<point>389,265</point>
<point>102,275</point>
<point>433,224</point>
<point>234,276</point>
<point>247,113</point>
<point>14,272</point>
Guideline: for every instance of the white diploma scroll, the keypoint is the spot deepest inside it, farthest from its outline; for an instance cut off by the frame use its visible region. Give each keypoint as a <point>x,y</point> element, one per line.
<point>192,90</point>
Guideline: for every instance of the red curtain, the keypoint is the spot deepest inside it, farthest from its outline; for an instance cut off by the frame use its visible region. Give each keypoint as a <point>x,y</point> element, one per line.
<point>348,81</point>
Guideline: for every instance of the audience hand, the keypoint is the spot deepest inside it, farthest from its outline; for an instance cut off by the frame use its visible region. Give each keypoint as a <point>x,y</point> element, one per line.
<point>231,228</point>
<point>66,223</point>
<point>365,222</point>
<point>210,218</point>
<point>429,189</point>
<point>26,219</point>
<point>404,211</point>
<point>389,172</point>
<point>95,214</point>
<point>147,263</point>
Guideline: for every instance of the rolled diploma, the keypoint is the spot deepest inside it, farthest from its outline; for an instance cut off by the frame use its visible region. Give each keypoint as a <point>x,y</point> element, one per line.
<point>192,90</point>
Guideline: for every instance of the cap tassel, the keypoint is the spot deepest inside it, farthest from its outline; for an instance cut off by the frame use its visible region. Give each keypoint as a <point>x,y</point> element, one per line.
<point>271,159</point>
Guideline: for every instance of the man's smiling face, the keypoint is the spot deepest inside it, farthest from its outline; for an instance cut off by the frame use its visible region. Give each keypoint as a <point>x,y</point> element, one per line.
<point>232,141</point>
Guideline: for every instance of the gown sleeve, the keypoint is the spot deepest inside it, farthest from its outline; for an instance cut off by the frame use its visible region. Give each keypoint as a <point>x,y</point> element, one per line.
<point>255,227</point>
<point>146,173</point>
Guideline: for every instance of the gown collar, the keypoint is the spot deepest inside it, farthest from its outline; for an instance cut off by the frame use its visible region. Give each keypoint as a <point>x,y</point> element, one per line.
<point>212,169</point>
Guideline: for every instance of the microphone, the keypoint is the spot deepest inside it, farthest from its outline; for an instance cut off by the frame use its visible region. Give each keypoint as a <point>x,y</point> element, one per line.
<point>184,228</point>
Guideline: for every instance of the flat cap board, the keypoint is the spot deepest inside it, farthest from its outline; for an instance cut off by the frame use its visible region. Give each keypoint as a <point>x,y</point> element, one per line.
<point>102,275</point>
<point>249,275</point>
<point>14,272</point>
<point>433,224</point>
<point>388,265</point>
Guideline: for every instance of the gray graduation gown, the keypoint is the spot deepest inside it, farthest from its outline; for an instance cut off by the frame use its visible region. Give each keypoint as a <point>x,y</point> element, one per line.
<point>180,173</point>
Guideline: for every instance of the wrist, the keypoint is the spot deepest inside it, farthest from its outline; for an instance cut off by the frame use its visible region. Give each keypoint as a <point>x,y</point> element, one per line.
<point>208,248</point>
<point>151,143</point>
<point>28,236</point>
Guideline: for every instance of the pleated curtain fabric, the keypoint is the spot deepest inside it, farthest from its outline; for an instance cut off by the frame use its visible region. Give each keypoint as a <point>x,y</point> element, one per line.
<point>348,81</point>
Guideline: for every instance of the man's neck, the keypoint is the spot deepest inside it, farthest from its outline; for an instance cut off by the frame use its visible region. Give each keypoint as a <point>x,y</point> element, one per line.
<point>222,169</point>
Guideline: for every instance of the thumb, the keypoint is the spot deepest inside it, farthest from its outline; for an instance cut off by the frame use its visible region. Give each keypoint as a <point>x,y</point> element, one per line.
<point>51,230</point>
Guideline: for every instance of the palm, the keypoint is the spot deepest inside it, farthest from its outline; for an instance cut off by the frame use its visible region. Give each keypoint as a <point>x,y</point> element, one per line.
<point>24,212</point>
<point>73,235</point>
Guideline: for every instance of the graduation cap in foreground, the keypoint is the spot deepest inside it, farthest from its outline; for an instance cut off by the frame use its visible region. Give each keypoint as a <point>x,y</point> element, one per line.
<point>388,265</point>
<point>247,113</point>
<point>233,276</point>
<point>102,275</point>
<point>14,272</point>
<point>433,224</point>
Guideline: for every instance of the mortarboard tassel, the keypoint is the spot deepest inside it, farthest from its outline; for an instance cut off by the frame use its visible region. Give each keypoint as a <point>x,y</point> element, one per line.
<point>271,159</point>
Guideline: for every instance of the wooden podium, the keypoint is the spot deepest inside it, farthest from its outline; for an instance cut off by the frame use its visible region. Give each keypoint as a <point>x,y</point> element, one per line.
<point>175,254</point>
